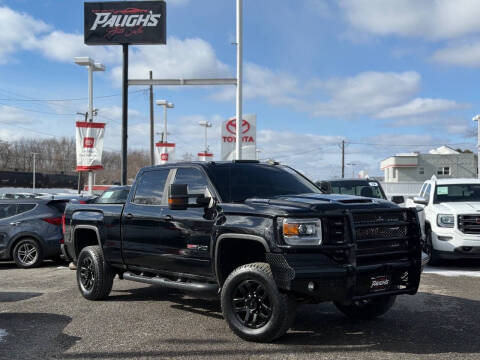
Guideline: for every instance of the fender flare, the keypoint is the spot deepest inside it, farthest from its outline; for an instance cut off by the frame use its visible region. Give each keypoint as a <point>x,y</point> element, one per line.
<point>88,227</point>
<point>222,237</point>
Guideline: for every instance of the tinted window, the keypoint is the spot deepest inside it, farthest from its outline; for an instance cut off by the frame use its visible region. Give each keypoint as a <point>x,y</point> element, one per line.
<point>369,189</point>
<point>113,197</point>
<point>427,192</point>
<point>21,208</point>
<point>7,210</point>
<point>58,205</point>
<point>150,187</point>
<point>457,192</point>
<point>196,181</point>
<point>238,182</point>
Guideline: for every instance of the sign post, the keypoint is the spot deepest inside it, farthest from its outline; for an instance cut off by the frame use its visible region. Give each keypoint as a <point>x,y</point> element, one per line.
<point>125,23</point>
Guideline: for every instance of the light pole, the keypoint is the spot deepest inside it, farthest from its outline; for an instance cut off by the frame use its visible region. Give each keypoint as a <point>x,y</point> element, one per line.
<point>477,119</point>
<point>166,105</point>
<point>91,66</point>
<point>207,125</point>
<point>353,168</point>
<point>239,115</point>
<point>34,159</point>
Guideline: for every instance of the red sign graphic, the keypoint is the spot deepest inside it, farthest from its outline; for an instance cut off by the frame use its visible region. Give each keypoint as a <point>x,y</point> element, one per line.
<point>88,142</point>
<point>232,126</point>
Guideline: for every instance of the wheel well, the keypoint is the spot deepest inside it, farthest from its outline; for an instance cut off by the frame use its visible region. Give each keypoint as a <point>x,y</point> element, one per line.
<point>232,253</point>
<point>84,238</point>
<point>12,247</point>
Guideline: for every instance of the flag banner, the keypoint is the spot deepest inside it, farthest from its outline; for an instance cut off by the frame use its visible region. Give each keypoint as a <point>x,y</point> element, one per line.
<point>204,156</point>
<point>89,145</point>
<point>165,153</point>
<point>248,136</point>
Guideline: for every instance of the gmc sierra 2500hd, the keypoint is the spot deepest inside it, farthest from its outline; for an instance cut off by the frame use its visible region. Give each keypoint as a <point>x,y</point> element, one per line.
<point>260,236</point>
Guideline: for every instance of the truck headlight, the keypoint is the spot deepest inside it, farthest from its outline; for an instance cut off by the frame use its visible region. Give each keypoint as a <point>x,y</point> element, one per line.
<point>302,231</point>
<point>444,220</point>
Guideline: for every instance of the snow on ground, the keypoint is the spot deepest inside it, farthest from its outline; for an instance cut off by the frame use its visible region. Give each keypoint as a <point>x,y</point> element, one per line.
<point>455,272</point>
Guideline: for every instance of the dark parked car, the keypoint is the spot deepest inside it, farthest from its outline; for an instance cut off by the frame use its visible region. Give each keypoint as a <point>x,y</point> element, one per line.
<point>30,230</point>
<point>260,236</point>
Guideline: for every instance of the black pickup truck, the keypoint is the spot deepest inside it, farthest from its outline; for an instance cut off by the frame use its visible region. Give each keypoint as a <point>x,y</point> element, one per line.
<point>260,236</point>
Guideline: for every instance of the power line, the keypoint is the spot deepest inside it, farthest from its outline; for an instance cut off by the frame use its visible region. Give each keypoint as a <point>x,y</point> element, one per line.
<point>71,99</point>
<point>404,145</point>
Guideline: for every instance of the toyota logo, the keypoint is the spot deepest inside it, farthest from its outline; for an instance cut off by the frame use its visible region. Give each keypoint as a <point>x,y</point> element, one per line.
<point>232,126</point>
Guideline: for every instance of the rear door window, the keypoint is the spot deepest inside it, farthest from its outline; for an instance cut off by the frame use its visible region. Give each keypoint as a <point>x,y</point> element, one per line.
<point>7,210</point>
<point>22,208</point>
<point>150,188</point>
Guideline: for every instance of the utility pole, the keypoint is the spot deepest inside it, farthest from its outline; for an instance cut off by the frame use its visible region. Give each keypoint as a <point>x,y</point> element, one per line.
<point>343,159</point>
<point>239,115</point>
<point>34,159</point>
<point>477,119</point>
<point>152,130</point>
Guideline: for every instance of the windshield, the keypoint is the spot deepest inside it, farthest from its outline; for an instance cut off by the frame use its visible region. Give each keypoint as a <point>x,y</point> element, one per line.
<point>370,189</point>
<point>456,193</point>
<point>238,182</point>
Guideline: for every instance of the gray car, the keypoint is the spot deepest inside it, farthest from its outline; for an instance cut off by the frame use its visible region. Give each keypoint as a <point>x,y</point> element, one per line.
<point>30,230</point>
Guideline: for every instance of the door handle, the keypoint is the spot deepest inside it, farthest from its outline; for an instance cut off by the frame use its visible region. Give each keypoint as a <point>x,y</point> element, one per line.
<point>129,216</point>
<point>15,223</point>
<point>167,218</point>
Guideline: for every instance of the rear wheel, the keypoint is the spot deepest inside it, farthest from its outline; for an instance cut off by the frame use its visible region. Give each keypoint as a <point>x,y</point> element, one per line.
<point>367,309</point>
<point>28,253</point>
<point>253,306</point>
<point>94,275</point>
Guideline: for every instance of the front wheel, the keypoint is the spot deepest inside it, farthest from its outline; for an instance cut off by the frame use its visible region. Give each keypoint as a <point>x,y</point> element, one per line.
<point>94,275</point>
<point>430,250</point>
<point>253,306</point>
<point>367,309</point>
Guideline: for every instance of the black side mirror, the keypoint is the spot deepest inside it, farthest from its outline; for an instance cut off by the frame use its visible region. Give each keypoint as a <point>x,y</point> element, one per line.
<point>178,197</point>
<point>325,187</point>
<point>398,199</point>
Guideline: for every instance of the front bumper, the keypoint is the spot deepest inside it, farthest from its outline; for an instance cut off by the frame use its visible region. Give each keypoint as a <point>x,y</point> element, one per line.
<point>453,244</point>
<point>342,283</point>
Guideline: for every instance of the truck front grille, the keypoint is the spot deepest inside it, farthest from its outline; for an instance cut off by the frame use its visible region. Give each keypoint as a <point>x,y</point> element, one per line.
<point>469,224</point>
<point>382,236</point>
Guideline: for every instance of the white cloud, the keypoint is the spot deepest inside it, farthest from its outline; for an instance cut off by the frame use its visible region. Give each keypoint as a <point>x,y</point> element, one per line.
<point>17,31</point>
<point>465,53</point>
<point>13,115</point>
<point>189,58</point>
<point>430,19</point>
<point>420,106</point>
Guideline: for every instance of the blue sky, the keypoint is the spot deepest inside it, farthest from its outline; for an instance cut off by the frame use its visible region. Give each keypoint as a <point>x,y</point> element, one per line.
<point>385,76</point>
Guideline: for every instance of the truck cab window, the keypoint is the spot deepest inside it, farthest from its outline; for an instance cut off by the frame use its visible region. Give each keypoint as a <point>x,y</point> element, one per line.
<point>194,178</point>
<point>150,188</point>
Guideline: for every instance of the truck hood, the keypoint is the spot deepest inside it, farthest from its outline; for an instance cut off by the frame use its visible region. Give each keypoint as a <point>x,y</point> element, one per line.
<point>458,207</point>
<point>306,203</point>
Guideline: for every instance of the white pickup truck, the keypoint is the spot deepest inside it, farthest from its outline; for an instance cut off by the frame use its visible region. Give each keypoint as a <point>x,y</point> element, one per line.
<point>451,218</point>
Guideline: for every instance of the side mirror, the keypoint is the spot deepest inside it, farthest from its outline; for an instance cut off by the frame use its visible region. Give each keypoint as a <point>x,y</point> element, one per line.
<point>178,197</point>
<point>420,200</point>
<point>398,199</point>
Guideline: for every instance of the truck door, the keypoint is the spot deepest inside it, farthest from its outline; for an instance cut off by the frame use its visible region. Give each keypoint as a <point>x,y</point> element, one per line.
<point>189,242</point>
<point>143,228</point>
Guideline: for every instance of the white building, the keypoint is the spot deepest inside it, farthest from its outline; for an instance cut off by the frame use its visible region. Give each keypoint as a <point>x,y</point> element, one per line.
<point>443,162</point>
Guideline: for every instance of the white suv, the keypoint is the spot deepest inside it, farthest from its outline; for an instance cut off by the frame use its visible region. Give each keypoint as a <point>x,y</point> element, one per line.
<point>451,218</point>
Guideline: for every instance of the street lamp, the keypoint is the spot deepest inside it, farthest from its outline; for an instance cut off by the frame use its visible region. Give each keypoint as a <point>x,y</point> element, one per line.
<point>207,125</point>
<point>353,168</point>
<point>91,66</point>
<point>477,119</point>
<point>167,105</point>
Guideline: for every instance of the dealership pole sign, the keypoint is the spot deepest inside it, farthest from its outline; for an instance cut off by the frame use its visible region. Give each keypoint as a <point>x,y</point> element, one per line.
<point>165,153</point>
<point>125,23</point>
<point>248,135</point>
<point>89,139</point>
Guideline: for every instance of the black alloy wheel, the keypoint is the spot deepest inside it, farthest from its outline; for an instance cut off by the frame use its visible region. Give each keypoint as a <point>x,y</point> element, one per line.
<point>87,274</point>
<point>252,304</point>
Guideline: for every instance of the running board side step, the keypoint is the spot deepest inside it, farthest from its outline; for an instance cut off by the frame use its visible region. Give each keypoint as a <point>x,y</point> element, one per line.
<point>205,289</point>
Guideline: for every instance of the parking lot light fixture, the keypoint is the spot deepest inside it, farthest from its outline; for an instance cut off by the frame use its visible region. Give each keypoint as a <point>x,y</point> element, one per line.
<point>167,105</point>
<point>91,66</point>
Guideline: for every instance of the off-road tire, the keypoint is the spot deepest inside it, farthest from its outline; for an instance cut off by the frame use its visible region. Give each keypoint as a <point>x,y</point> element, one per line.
<point>94,275</point>
<point>24,247</point>
<point>367,309</point>
<point>282,306</point>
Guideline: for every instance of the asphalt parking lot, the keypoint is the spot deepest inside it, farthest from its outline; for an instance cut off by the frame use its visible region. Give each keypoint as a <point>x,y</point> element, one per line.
<point>42,316</point>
